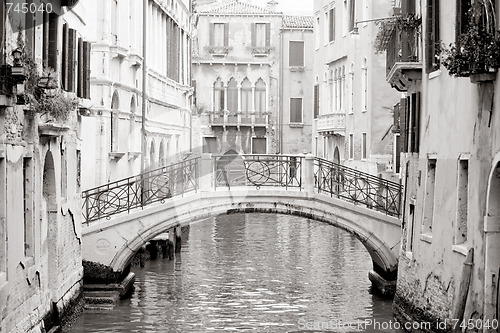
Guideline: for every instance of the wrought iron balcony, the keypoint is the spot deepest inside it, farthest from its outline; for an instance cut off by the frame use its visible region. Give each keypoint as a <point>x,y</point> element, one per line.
<point>332,124</point>
<point>403,60</point>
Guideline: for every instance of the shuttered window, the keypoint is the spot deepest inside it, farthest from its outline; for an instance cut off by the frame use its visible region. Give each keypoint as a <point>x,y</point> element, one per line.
<point>218,34</point>
<point>352,14</point>
<point>71,60</point>
<point>463,7</point>
<point>259,146</point>
<point>296,53</point>
<point>316,101</point>
<point>86,61</point>
<point>432,36</point>
<point>49,40</point>
<point>331,30</point>
<point>296,110</point>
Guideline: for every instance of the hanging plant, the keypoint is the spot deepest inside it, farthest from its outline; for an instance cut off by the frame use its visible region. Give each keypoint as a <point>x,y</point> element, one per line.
<point>397,23</point>
<point>477,50</point>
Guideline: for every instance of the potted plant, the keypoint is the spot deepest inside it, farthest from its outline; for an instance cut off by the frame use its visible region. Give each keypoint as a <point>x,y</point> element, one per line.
<point>475,54</point>
<point>397,23</point>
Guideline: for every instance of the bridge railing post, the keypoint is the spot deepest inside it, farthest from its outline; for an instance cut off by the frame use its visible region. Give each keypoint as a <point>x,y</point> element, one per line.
<point>308,173</point>
<point>206,172</point>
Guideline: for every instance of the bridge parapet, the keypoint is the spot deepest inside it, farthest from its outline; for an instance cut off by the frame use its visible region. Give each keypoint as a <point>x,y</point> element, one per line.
<point>212,173</point>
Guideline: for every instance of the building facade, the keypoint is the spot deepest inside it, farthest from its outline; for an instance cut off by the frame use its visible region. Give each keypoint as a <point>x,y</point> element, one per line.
<point>296,82</point>
<point>236,72</point>
<point>352,104</point>
<point>116,144</point>
<point>448,130</point>
<point>44,58</point>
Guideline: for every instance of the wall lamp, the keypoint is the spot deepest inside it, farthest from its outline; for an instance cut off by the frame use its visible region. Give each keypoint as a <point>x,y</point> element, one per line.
<point>355,30</point>
<point>17,70</point>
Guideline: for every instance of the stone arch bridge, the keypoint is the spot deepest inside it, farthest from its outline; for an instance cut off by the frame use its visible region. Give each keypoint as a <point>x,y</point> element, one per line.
<point>122,216</point>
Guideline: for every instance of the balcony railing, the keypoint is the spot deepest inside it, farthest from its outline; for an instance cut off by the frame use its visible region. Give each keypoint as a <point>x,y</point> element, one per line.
<point>224,118</point>
<point>403,59</point>
<point>332,123</point>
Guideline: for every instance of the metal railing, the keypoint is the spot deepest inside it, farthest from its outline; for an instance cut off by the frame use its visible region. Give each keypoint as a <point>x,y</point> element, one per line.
<point>357,187</point>
<point>138,191</point>
<point>258,170</point>
<point>403,47</point>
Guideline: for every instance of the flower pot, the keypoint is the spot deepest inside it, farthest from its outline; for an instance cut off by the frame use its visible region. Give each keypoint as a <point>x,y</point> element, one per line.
<point>483,77</point>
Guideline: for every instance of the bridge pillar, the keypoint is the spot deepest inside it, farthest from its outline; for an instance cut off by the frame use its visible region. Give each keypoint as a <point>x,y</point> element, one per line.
<point>308,173</point>
<point>206,172</point>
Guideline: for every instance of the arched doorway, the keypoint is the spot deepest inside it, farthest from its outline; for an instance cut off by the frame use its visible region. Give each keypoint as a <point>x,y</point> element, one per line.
<point>49,213</point>
<point>336,155</point>
<point>492,246</point>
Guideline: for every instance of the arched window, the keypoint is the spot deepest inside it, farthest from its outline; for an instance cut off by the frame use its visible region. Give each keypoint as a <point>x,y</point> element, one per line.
<point>260,97</point>
<point>132,135</point>
<point>246,98</point>
<point>152,161</point>
<point>115,105</point>
<point>232,96</point>
<point>219,95</point>
<point>161,154</point>
<point>342,89</point>
<point>365,85</point>
<point>351,96</point>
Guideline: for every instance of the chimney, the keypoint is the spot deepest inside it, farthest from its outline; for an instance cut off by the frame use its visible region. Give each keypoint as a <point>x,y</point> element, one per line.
<point>271,5</point>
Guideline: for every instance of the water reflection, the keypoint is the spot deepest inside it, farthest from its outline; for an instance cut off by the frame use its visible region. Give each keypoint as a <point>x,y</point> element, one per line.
<point>251,273</point>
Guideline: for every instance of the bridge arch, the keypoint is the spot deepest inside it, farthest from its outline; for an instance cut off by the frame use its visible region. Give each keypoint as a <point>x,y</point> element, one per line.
<point>377,232</point>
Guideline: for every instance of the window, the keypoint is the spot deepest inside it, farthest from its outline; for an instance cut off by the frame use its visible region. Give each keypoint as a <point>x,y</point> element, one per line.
<point>413,111</point>
<point>317,35</point>
<point>114,123</point>
<point>432,36</point>
<point>219,95</point>
<point>259,146</point>
<point>296,53</point>
<point>246,98</point>
<point>260,97</point>
<point>363,147</point>
<point>342,89</point>
<point>410,229</point>
<point>114,21</point>
<point>365,85</point>
<point>352,14</point>
<point>83,79</point>
<point>430,185</point>
<point>296,110</point>
<point>462,202</point>
<point>210,145</point>
<point>261,34</point>
<point>331,25</point>
<point>28,207</point>
<point>351,96</point>
<point>219,34</point>
<point>232,96</point>
<point>316,101</point>
<point>69,53</point>
<point>463,7</point>
<point>351,146</point>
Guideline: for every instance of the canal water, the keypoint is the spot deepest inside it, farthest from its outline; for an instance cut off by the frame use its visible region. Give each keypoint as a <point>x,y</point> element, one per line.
<point>253,273</point>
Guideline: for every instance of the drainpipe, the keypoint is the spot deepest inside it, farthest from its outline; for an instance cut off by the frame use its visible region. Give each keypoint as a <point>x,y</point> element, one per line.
<point>144,78</point>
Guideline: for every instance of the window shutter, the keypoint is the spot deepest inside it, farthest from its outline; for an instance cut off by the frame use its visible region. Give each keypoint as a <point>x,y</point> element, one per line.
<point>316,101</point>
<point>86,64</point>
<point>81,70</point>
<point>211,35</point>
<point>417,121</point>
<point>405,107</point>
<point>432,35</point>
<point>333,23</point>
<point>226,34</point>
<point>45,42</point>
<point>268,34</point>
<point>71,60</point>
<point>52,52</point>
<point>65,56</point>
<point>253,34</point>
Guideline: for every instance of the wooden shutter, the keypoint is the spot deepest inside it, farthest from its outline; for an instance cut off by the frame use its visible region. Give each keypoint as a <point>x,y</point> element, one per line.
<point>65,57</point>
<point>268,34</point>
<point>331,22</point>
<point>417,121</point>
<point>71,60</point>
<point>211,34</point>
<point>432,35</point>
<point>408,6</point>
<point>405,122</point>
<point>45,41</point>
<point>86,64</point>
<point>316,101</point>
<point>254,32</point>
<point>81,70</point>
<point>52,51</point>
<point>226,34</point>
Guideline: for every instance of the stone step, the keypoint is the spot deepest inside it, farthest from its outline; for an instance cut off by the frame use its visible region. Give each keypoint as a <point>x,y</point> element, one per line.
<point>98,307</point>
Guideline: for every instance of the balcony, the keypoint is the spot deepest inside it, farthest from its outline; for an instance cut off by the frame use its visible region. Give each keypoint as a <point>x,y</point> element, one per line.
<point>332,124</point>
<point>239,119</point>
<point>403,62</point>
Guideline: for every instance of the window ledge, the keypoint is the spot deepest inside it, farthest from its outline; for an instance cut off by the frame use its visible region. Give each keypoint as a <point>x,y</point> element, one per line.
<point>434,74</point>
<point>113,155</point>
<point>461,248</point>
<point>296,125</point>
<point>133,154</point>
<point>426,238</point>
<point>297,68</point>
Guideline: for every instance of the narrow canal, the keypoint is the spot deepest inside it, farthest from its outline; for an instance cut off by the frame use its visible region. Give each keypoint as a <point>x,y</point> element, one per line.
<point>253,273</point>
